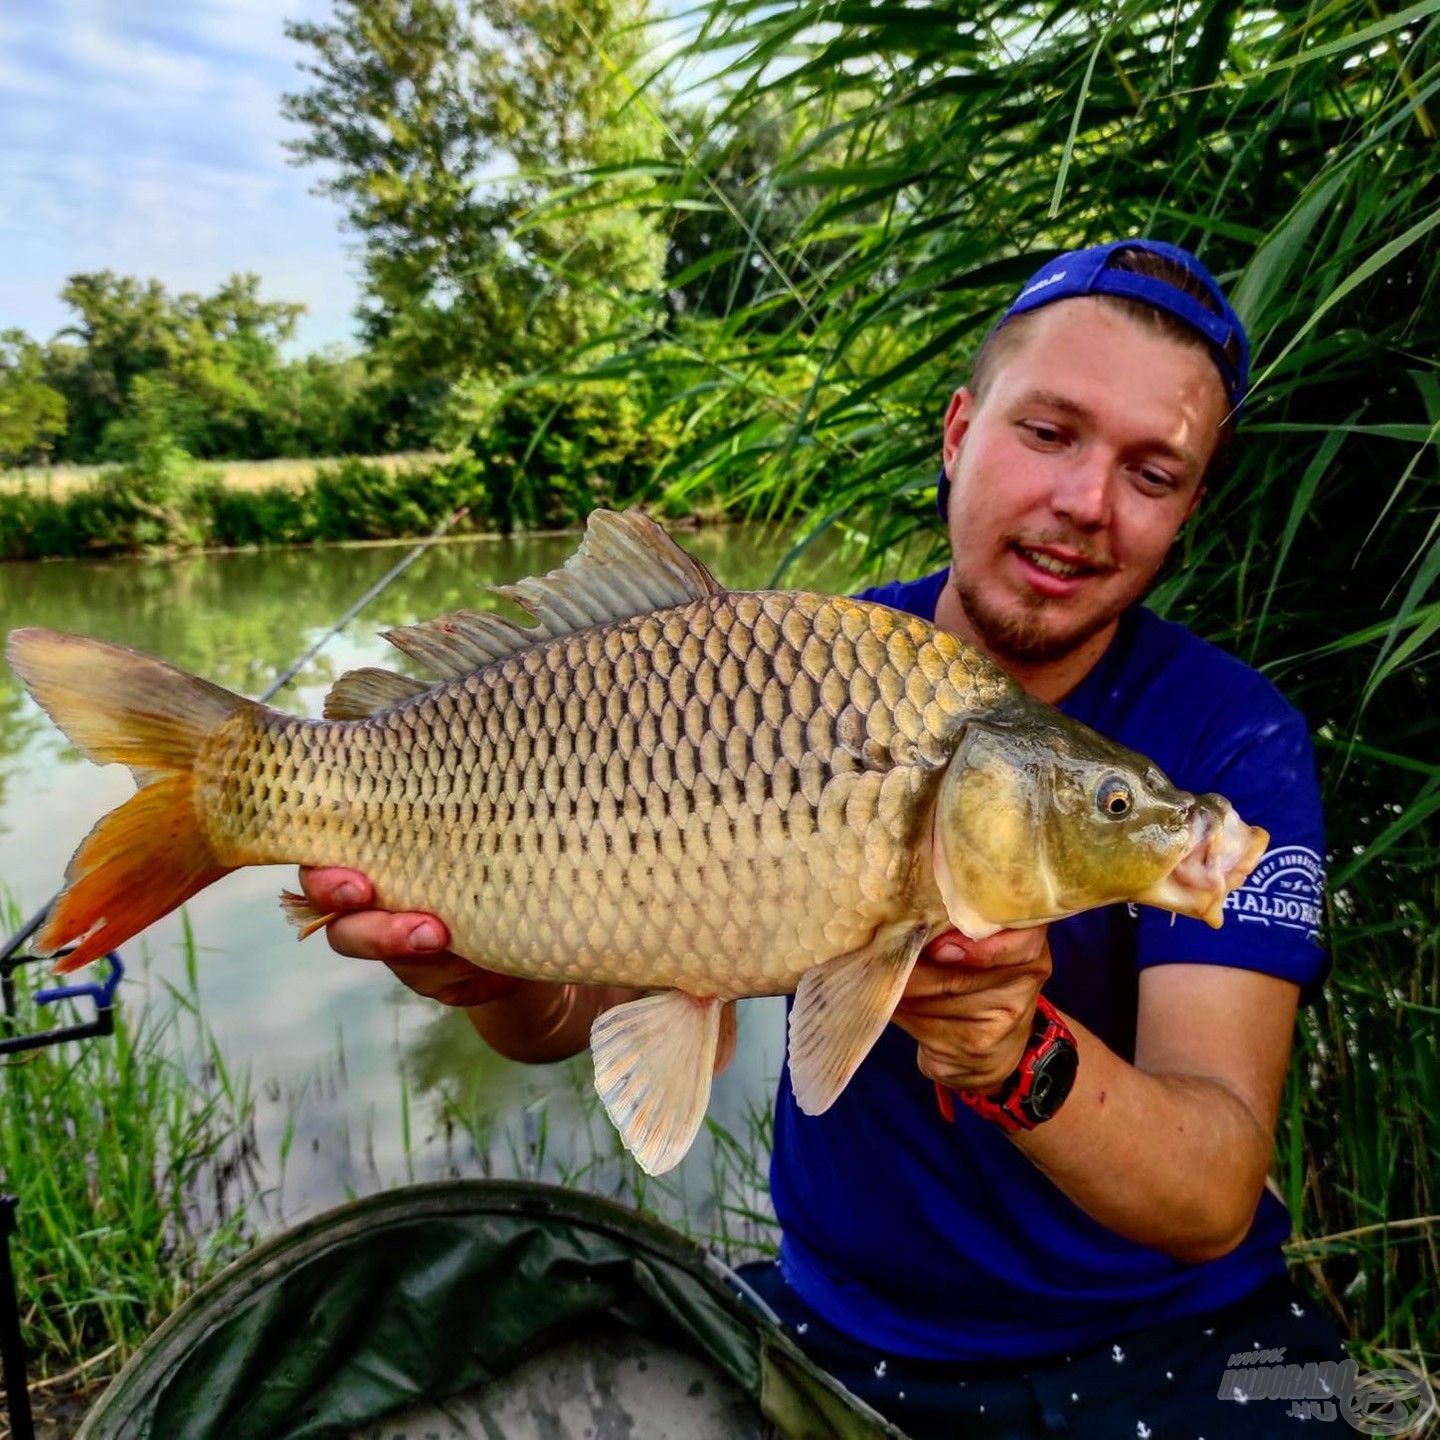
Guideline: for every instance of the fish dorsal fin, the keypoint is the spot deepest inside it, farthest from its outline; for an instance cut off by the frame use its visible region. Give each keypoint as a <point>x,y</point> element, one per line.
<point>360,693</point>
<point>455,644</point>
<point>626,565</point>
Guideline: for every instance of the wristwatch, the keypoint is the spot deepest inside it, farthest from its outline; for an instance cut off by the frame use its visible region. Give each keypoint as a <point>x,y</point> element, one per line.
<point>1039,1084</point>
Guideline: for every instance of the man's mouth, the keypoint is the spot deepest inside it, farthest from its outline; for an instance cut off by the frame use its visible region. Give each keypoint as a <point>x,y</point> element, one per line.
<point>1051,560</point>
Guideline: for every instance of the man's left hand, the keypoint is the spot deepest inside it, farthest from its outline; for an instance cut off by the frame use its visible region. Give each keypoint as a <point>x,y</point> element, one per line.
<point>970,1004</point>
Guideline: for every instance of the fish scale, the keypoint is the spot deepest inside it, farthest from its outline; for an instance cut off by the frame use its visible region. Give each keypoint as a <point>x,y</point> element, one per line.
<point>682,779</point>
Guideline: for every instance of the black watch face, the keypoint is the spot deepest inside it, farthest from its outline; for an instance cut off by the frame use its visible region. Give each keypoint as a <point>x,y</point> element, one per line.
<point>1051,1081</point>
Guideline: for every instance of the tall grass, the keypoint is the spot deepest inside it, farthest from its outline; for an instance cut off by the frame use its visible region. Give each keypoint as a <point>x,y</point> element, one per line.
<point>947,150</point>
<point>132,1156</point>
<point>719,1196</point>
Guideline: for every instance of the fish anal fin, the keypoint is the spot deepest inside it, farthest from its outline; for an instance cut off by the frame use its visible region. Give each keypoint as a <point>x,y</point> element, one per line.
<point>842,1006</point>
<point>358,694</point>
<point>303,915</point>
<point>626,565</point>
<point>654,1061</point>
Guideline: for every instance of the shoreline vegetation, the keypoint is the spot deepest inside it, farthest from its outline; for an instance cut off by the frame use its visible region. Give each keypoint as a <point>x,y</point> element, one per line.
<point>541,457</point>
<point>351,501</point>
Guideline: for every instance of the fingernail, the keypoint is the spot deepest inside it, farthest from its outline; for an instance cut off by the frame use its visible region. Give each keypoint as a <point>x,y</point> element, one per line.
<point>425,936</point>
<point>349,893</point>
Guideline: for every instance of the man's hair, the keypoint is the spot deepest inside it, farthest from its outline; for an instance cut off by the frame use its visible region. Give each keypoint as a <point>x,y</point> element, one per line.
<point>1000,342</point>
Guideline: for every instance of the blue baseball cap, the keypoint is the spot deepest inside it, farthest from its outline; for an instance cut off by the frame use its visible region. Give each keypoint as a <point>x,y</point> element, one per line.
<point>1090,272</point>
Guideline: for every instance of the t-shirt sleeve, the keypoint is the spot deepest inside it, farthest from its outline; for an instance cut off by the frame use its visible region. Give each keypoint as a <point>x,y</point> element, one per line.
<point>1272,921</point>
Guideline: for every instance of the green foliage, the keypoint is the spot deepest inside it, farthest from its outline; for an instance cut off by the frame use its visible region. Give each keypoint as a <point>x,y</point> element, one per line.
<point>210,368</point>
<point>160,502</point>
<point>947,151</point>
<point>441,123</point>
<point>216,353</point>
<point>127,1153</point>
<point>32,413</point>
<point>355,501</point>
<point>550,451</point>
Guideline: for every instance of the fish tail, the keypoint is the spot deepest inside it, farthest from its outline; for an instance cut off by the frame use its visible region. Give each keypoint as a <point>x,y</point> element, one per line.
<point>150,854</point>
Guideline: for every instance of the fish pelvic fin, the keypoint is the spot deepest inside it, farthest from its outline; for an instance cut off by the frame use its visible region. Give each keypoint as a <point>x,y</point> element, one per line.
<point>654,1061</point>
<point>626,565</point>
<point>150,854</point>
<point>303,915</point>
<point>841,1007</point>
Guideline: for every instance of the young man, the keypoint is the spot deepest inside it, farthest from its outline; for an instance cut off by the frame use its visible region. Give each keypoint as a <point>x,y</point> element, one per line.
<point>1088,1262</point>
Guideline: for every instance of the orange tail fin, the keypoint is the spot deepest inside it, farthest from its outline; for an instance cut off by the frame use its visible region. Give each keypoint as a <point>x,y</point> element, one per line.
<point>150,854</point>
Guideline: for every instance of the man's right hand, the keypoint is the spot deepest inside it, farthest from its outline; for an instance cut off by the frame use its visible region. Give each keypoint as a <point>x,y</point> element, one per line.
<point>412,944</point>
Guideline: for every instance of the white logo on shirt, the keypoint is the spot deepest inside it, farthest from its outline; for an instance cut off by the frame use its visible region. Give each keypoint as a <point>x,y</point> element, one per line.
<point>1284,889</point>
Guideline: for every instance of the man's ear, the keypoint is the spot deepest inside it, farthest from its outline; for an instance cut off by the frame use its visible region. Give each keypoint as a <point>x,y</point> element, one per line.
<point>957,421</point>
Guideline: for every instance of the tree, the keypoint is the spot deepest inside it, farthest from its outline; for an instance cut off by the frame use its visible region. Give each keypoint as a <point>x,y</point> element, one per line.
<point>217,358</point>
<point>32,413</point>
<point>444,124</point>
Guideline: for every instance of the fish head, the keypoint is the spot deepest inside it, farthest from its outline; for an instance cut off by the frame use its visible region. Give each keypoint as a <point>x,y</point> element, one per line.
<point>1038,817</point>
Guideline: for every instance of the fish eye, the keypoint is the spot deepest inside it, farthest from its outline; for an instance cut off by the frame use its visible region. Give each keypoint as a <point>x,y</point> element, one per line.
<point>1114,796</point>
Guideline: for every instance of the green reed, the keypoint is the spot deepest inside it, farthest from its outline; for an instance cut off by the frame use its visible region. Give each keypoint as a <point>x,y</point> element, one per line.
<point>875,183</point>
<point>132,1156</point>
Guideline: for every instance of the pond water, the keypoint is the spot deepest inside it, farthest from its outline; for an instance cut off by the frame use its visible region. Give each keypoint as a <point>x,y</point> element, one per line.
<point>358,1083</point>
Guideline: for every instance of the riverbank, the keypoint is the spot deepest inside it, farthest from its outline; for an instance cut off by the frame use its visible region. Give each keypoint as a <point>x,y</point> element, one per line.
<point>540,458</point>
<point>170,505</point>
<point>60,480</point>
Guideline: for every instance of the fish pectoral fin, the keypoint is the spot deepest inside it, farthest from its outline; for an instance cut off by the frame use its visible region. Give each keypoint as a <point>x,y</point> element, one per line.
<point>358,694</point>
<point>654,1060</point>
<point>841,1006</point>
<point>303,915</point>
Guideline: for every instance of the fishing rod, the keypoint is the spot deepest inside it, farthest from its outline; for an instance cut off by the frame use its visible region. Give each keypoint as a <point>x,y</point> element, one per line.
<point>7,951</point>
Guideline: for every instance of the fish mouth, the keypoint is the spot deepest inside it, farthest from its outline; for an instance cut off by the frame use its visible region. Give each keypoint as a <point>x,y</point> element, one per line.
<point>1221,853</point>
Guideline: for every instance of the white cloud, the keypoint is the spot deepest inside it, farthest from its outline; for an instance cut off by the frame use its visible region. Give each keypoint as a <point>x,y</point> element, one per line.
<point>147,139</point>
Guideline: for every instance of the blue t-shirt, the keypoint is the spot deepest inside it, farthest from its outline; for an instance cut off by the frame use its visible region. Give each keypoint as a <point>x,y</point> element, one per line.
<point>942,1241</point>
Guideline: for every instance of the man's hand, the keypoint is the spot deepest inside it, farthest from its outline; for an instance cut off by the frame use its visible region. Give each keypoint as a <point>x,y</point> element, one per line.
<point>411,944</point>
<point>970,1004</point>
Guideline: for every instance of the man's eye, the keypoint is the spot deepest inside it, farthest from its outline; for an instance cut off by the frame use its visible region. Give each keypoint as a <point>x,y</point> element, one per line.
<point>1158,480</point>
<point>1046,434</point>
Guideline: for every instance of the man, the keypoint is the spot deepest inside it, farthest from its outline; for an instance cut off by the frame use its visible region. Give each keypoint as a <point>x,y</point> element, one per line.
<point>1089,1265</point>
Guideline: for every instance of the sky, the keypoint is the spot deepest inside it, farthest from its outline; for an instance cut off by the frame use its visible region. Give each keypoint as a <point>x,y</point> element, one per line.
<point>145,137</point>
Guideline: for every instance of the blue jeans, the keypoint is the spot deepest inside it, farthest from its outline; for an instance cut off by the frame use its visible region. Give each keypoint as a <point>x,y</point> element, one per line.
<point>1159,1380</point>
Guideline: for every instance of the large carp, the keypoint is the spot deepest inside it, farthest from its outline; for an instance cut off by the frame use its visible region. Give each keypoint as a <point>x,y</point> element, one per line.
<point>704,793</point>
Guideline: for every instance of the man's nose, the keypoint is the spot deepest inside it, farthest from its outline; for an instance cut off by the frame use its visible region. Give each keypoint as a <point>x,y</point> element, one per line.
<point>1083,495</point>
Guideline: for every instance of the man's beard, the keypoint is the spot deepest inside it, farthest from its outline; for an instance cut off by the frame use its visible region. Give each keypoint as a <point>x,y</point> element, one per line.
<point>1022,635</point>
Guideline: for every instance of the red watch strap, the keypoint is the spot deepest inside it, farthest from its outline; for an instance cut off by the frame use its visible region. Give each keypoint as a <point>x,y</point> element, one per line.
<point>1002,1109</point>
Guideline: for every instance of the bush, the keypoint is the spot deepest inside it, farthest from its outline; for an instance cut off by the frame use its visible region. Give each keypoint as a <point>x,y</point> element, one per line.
<point>355,500</point>
<point>161,501</point>
<point>551,452</point>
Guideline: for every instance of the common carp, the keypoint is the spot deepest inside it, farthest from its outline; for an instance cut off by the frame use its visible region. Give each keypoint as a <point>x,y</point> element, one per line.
<point>704,793</point>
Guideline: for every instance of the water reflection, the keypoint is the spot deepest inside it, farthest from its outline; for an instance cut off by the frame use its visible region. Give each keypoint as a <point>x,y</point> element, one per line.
<point>359,1084</point>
